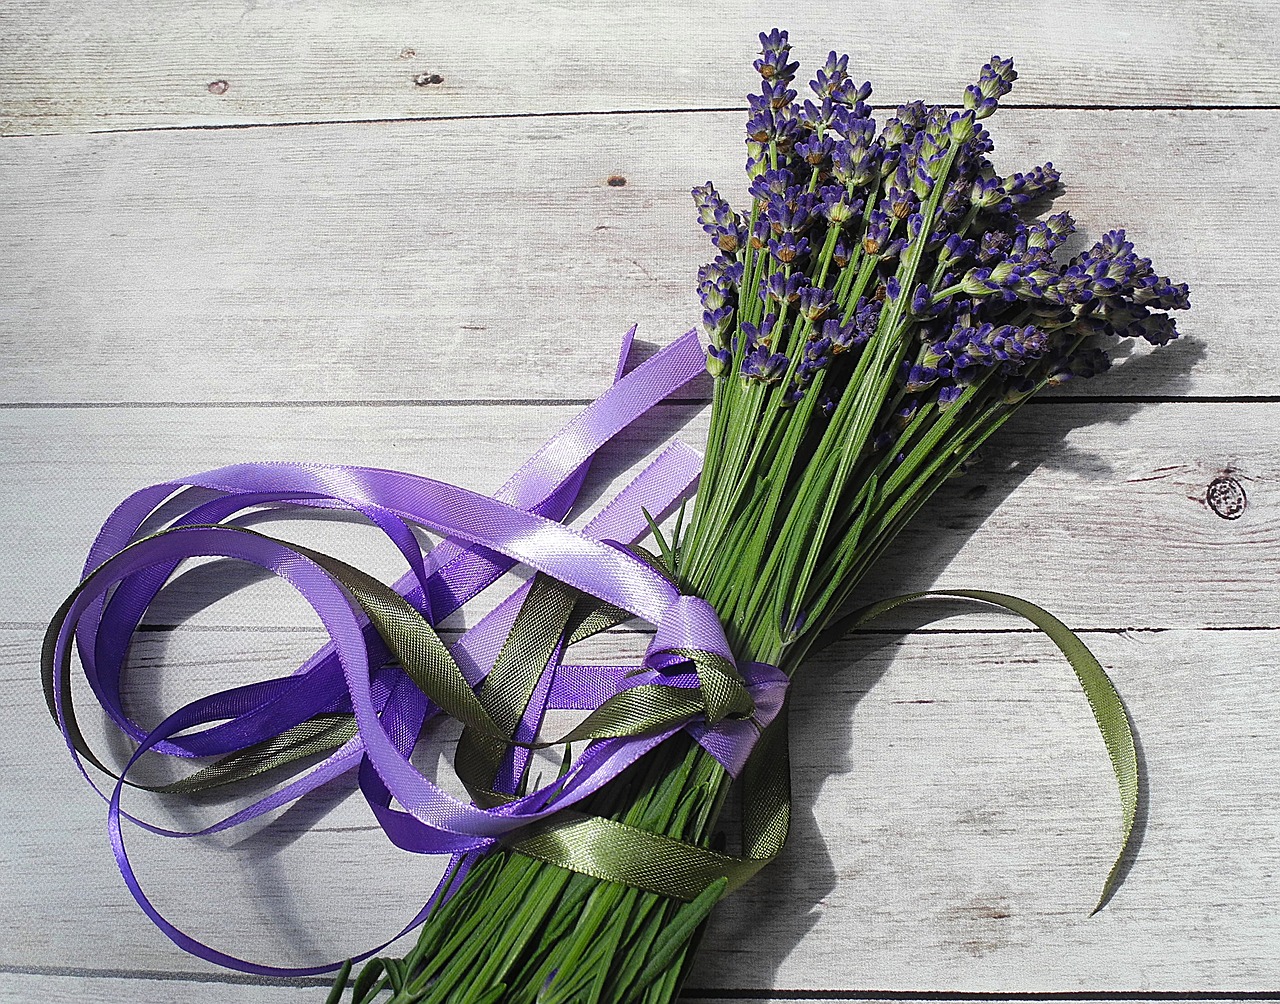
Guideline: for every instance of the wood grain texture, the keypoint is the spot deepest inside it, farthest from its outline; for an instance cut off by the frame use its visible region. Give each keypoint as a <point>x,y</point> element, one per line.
<point>75,67</point>
<point>464,260</point>
<point>955,814</point>
<point>434,288</point>
<point>1093,510</point>
<point>55,989</point>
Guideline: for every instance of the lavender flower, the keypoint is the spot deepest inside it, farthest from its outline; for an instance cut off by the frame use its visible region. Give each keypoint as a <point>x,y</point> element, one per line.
<point>775,49</point>
<point>781,288</point>
<point>994,82</point>
<point>718,360</point>
<point>763,366</point>
<point>788,248</point>
<point>815,303</point>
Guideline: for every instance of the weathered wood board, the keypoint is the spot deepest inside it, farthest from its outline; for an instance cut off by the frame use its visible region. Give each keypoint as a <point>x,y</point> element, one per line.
<point>955,814</point>
<point>67,67</point>
<point>421,256</point>
<point>1064,483</point>
<point>448,261</point>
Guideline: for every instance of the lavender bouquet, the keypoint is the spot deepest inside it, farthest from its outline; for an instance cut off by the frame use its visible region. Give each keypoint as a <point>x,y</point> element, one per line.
<point>882,307</point>
<point>885,303</point>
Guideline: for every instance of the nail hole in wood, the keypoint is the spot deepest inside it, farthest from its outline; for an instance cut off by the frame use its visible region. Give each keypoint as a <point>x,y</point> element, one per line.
<point>218,87</point>
<point>616,181</point>
<point>1226,497</point>
<point>428,79</point>
<point>407,53</point>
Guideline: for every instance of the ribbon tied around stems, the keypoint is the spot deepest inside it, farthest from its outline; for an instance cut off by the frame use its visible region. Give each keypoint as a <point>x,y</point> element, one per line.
<point>362,700</point>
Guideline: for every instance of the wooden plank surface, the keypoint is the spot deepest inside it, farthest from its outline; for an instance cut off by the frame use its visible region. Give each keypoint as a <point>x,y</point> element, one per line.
<point>955,814</point>
<point>438,294</point>
<point>75,67</point>
<point>1065,482</point>
<point>491,260</point>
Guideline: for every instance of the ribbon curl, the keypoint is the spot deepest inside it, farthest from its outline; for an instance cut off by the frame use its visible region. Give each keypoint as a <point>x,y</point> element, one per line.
<point>361,701</point>
<point>363,698</point>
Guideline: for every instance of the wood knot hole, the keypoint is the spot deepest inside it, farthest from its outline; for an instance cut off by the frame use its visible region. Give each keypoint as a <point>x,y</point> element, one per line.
<point>1226,497</point>
<point>428,79</point>
<point>616,181</point>
<point>218,87</point>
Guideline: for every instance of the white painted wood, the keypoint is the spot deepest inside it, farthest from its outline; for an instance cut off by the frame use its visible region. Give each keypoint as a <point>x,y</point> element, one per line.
<point>491,260</point>
<point>73,67</point>
<point>72,990</point>
<point>55,989</point>
<point>954,818</point>
<point>69,990</point>
<point>1094,511</point>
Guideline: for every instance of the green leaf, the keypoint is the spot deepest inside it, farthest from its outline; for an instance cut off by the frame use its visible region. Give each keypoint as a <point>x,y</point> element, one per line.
<point>339,984</point>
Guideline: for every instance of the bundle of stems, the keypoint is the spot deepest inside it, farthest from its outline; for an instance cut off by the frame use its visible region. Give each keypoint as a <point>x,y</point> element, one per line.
<point>886,304</point>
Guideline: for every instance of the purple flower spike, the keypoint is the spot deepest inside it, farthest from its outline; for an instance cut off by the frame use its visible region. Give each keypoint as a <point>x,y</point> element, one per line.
<point>994,82</point>
<point>774,50</point>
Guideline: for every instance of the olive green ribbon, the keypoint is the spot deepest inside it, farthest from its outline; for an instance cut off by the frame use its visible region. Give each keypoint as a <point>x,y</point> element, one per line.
<point>553,616</point>
<point>616,852</point>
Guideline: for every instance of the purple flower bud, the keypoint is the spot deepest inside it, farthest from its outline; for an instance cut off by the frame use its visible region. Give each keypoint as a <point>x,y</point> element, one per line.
<point>920,300</point>
<point>1022,188</point>
<point>774,49</point>
<point>771,184</point>
<point>782,288</point>
<point>815,302</point>
<point>761,365</point>
<point>831,76</point>
<point>995,244</point>
<point>955,247</point>
<point>949,394</point>
<point>876,236</point>
<point>787,248</point>
<point>717,323</point>
<point>817,356</point>
<point>920,378</point>
<point>777,94</point>
<point>986,193</point>
<point>1158,329</point>
<point>718,360</point>
<point>815,150</point>
<point>837,205</point>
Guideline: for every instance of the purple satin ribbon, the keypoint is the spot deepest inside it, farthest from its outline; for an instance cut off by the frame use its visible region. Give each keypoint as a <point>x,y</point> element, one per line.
<point>485,537</point>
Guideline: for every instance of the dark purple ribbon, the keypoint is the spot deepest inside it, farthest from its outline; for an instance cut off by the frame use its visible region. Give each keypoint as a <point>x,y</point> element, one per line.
<point>485,537</point>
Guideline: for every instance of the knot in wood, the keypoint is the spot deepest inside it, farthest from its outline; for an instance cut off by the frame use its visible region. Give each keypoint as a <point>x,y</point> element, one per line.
<point>1226,497</point>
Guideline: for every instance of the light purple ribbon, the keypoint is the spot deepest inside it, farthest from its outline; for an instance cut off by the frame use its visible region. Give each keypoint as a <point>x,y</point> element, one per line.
<point>485,536</point>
